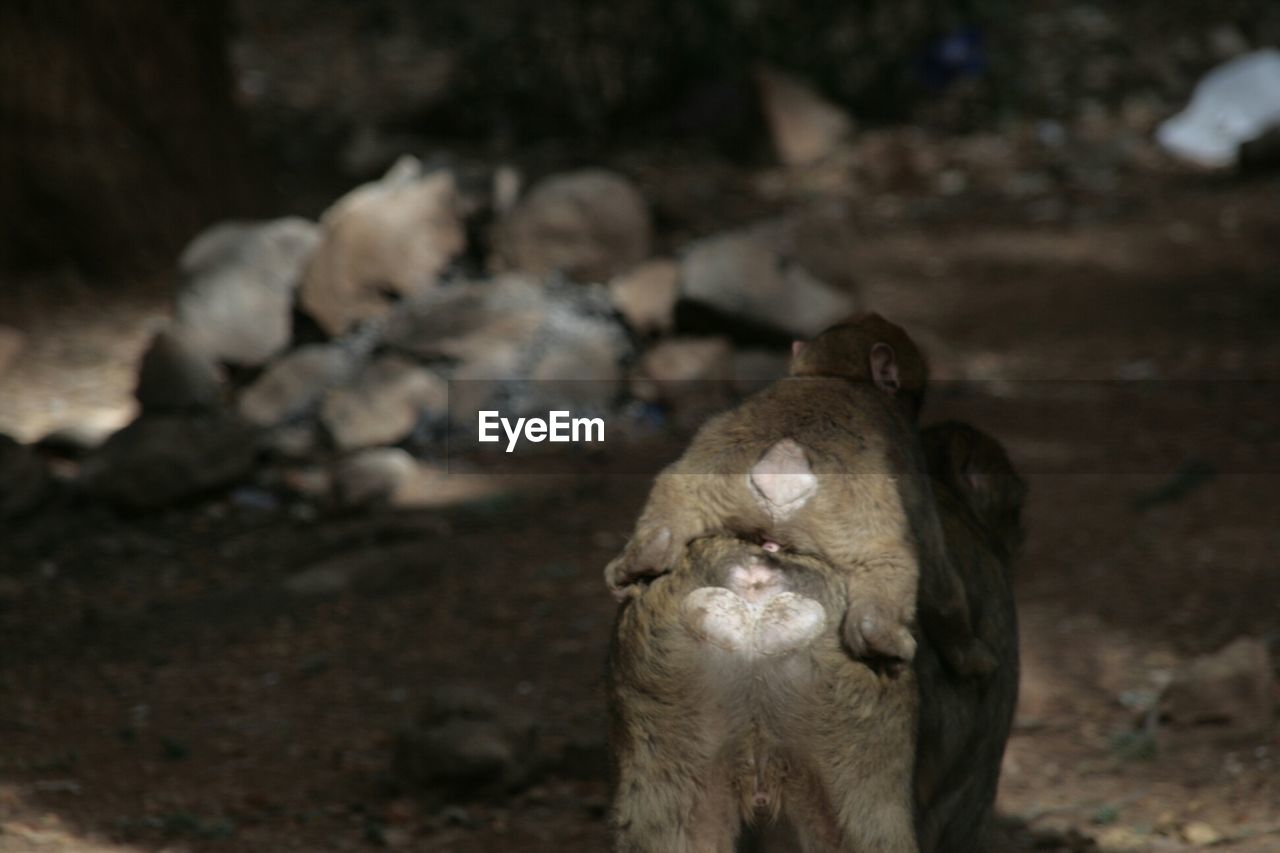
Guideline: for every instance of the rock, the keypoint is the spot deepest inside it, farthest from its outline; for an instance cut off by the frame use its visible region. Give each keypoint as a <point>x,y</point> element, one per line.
<point>176,375</point>
<point>691,376</point>
<point>392,237</point>
<point>235,301</point>
<point>472,321</point>
<point>1200,834</point>
<point>465,744</point>
<point>685,360</point>
<point>11,343</point>
<point>504,333</point>
<point>373,476</point>
<point>162,459</point>
<point>430,486</point>
<point>25,481</point>
<point>576,361</point>
<point>1234,686</point>
<point>383,404</point>
<point>589,225</point>
<point>294,385</point>
<point>646,296</point>
<point>752,273</point>
<point>806,128</point>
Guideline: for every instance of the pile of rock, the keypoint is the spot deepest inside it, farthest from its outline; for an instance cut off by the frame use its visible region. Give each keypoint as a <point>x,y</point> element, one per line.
<point>381,326</point>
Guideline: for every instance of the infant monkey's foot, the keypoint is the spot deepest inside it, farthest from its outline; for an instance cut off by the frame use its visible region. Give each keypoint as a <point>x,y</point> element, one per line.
<point>644,559</point>
<point>873,633</point>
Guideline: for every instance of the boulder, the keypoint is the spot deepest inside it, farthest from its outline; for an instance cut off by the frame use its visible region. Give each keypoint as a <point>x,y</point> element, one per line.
<point>754,274</point>
<point>25,481</point>
<point>235,300</point>
<point>471,321</point>
<point>518,345</point>
<point>163,459</point>
<point>373,476</point>
<point>295,384</point>
<point>1234,687</point>
<point>589,225</point>
<point>806,128</point>
<point>383,404</point>
<point>646,296</point>
<point>690,376</point>
<point>390,238</point>
<point>176,375</point>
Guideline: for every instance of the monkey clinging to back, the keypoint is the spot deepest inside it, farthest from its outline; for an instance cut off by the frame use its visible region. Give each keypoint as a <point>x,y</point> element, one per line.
<point>826,463</point>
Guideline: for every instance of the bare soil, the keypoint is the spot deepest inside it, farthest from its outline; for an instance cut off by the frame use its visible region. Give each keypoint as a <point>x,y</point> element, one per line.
<point>160,690</point>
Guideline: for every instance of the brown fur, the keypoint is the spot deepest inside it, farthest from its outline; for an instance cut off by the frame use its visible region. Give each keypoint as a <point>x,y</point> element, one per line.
<point>707,743</point>
<point>872,513</point>
<point>812,751</point>
<point>844,350</point>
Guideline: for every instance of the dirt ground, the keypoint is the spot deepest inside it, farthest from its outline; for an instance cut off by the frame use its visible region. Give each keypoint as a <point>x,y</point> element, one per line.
<point>161,690</point>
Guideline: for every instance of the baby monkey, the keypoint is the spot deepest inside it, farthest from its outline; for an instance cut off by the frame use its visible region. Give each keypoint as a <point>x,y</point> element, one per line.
<point>827,463</point>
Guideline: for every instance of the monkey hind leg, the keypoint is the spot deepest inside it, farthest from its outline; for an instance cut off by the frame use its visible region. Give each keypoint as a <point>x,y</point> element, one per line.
<point>651,819</point>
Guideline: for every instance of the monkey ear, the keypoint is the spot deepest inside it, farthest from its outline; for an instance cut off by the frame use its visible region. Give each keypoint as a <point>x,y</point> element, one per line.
<point>884,368</point>
<point>796,347</point>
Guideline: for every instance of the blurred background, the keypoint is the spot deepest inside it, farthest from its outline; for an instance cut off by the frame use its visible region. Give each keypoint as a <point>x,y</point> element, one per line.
<point>262,262</point>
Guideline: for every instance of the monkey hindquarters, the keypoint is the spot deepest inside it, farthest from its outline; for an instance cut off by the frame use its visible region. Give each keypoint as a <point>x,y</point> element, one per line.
<point>734,704</point>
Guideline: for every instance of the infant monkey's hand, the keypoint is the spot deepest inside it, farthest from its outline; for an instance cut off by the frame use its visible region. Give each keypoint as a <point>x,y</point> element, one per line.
<point>648,555</point>
<point>878,632</point>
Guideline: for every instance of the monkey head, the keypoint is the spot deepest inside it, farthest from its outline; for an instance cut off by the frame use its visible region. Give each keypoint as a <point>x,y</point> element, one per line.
<point>867,348</point>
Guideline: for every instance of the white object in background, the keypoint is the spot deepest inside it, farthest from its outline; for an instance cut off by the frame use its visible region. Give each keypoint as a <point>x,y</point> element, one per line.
<point>1232,104</point>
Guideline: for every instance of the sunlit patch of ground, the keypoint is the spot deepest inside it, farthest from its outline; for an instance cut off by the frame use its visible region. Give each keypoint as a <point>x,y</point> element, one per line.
<point>78,362</point>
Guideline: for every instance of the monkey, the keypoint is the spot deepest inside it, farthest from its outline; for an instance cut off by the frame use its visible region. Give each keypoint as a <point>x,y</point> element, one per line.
<point>827,462</point>
<point>964,723</point>
<point>735,708</point>
<point>736,716</point>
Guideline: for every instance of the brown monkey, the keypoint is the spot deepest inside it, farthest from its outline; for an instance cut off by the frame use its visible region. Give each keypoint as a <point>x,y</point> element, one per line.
<point>734,709</point>
<point>963,723</point>
<point>734,704</point>
<point>825,463</point>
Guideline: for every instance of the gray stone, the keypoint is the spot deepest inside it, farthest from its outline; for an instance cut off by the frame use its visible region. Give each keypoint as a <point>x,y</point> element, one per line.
<point>383,404</point>
<point>589,225</point>
<point>753,273</point>
<point>472,321</point>
<point>294,385</point>
<point>25,482</point>
<point>162,459</point>
<point>646,295</point>
<point>176,375</point>
<point>235,301</point>
<point>373,476</point>
<point>518,345</point>
<point>393,236</point>
<point>1234,686</point>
